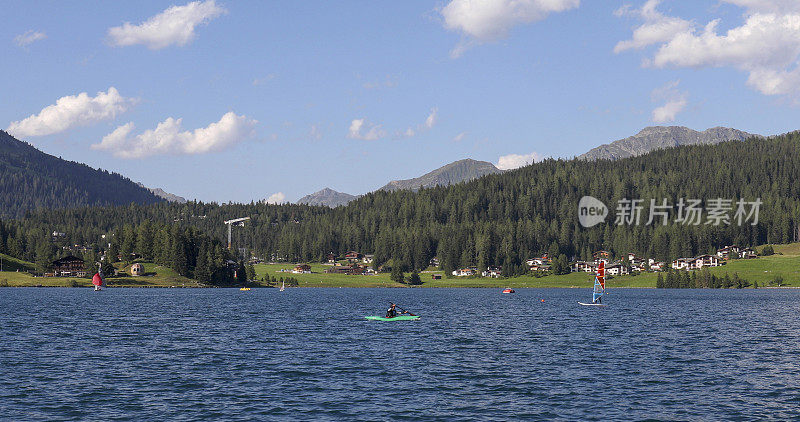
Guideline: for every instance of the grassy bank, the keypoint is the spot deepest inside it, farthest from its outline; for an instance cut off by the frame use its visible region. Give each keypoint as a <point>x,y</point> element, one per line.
<point>764,270</point>
<point>155,276</point>
<point>785,264</point>
<point>319,279</point>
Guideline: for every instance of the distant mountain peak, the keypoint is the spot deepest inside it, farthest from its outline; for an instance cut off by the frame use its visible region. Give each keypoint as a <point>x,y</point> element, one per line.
<point>658,137</point>
<point>327,197</point>
<point>455,172</point>
<point>165,195</point>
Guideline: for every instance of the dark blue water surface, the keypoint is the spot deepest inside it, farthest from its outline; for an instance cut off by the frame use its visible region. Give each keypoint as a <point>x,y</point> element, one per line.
<point>189,354</point>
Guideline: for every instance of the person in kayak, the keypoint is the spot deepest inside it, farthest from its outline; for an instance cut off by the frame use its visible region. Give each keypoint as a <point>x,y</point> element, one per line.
<point>392,311</point>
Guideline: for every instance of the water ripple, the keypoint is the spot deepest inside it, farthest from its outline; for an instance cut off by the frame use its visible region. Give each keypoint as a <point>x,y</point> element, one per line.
<point>181,354</point>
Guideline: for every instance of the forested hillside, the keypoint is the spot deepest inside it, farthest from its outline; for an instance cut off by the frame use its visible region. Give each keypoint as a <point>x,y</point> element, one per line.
<point>498,219</point>
<point>31,179</point>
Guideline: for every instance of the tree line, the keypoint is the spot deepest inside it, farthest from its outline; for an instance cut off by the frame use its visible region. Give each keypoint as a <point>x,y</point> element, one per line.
<point>188,251</point>
<point>674,279</point>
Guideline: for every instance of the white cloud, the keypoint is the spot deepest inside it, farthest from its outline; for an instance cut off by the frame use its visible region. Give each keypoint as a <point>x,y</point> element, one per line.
<point>490,20</point>
<point>72,111</point>
<point>766,45</point>
<point>668,111</point>
<point>675,101</point>
<point>174,26</point>
<point>431,120</point>
<point>656,27</point>
<point>364,130</point>
<point>459,137</point>
<point>167,138</point>
<point>428,124</point>
<point>768,6</point>
<point>276,198</point>
<point>512,161</point>
<point>28,38</point>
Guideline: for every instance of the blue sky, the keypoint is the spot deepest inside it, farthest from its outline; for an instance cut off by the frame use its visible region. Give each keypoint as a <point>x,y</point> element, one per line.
<point>239,101</point>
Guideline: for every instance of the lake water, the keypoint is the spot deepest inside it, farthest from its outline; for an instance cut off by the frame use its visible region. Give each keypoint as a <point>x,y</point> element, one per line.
<point>476,354</point>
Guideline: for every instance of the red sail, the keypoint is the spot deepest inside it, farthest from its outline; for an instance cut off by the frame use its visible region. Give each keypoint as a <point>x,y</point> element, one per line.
<point>601,274</point>
<point>97,280</point>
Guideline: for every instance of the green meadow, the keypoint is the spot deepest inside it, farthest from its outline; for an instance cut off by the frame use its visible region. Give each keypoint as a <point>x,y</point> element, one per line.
<point>784,266</point>
<point>155,276</point>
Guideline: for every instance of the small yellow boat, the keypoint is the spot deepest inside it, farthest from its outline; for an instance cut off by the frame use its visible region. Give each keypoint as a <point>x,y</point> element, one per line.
<point>245,289</point>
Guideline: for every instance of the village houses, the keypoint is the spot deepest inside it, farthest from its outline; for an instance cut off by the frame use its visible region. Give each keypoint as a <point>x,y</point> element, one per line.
<point>302,269</point>
<point>493,272</point>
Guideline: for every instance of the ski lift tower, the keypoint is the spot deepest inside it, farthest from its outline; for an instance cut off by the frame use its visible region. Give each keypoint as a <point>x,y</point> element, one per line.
<point>230,223</point>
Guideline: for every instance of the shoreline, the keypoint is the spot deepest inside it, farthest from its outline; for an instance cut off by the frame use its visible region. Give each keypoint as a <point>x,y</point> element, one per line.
<point>389,287</point>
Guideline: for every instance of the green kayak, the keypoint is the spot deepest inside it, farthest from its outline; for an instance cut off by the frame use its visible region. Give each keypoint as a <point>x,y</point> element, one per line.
<point>397,318</point>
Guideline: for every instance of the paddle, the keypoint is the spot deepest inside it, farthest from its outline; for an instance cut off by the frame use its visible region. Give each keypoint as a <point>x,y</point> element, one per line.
<point>404,311</point>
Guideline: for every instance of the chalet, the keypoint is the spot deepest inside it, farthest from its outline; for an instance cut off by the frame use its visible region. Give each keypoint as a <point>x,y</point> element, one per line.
<point>368,259</point>
<point>748,253</point>
<point>370,271</point>
<point>601,255</point>
<point>635,261</point>
<point>434,262</point>
<point>583,266</point>
<point>682,263</point>
<point>436,276</point>
<point>543,260</point>
<point>728,252</point>
<point>69,266</point>
<point>465,272</point>
<point>493,272</point>
<point>656,265</point>
<point>705,261</point>
<point>353,257</point>
<point>331,258</point>
<point>539,267</point>
<point>302,269</point>
<point>616,269</point>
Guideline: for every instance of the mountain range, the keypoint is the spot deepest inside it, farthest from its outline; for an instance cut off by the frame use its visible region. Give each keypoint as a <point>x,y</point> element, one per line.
<point>31,179</point>
<point>648,139</point>
<point>455,172</point>
<point>659,137</point>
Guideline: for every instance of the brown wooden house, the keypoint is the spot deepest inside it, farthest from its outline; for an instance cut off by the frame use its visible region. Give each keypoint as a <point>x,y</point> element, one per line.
<point>353,256</point>
<point>69,266</point>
